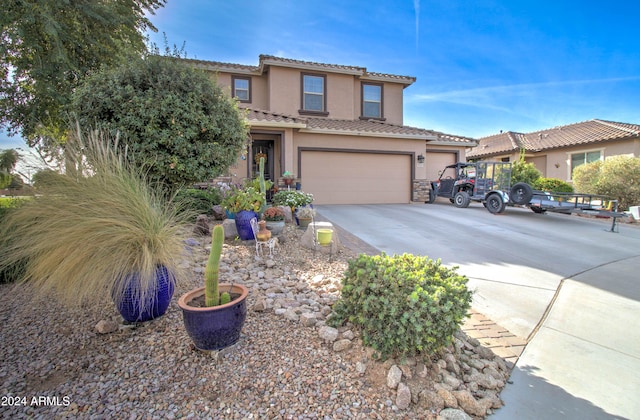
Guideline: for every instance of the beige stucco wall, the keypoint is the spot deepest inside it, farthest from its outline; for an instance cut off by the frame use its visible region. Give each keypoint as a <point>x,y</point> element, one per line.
<point>558,162</point>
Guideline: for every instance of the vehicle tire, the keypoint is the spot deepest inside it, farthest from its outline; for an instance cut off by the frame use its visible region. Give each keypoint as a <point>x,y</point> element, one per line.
<point>432,196</point>
<point>495,203</point>
<point>538,210</point>
<point>521,193</point>
<point>461,199</point>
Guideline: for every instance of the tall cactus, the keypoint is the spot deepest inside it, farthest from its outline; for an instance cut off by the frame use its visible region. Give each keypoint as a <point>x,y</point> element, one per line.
<point>212,297</point>
<point>263,187</point>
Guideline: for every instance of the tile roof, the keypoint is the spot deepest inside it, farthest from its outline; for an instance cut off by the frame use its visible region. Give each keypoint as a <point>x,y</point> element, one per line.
<point>268,60</point>
<point>586,132</point>
<point>358,71</point>
<point>371,127</point>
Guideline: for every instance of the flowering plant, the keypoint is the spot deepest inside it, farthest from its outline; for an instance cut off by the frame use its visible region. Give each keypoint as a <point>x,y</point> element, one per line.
<point>248,198</point>
<point>292,198</point>
<point>305,212</point>
<point>273,214</point>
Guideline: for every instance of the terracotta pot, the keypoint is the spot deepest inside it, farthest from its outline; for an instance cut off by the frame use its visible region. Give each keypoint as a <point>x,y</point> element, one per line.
<point>304,222</point>
<point>216,327</point>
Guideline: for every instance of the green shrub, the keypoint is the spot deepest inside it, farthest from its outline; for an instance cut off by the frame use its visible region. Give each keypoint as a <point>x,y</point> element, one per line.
<point>404,304</point>
<point>522,171</point>
<point>617,177</point>
<point>553,185</point>
<point>198,201</point>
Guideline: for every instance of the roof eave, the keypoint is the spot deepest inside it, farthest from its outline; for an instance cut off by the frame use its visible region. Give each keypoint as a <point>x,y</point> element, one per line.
<point>366,134</point>
<point>276,124</point>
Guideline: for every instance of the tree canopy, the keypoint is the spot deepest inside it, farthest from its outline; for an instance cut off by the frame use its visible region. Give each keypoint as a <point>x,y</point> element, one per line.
<point>174,120</point>
<point>48,46</point>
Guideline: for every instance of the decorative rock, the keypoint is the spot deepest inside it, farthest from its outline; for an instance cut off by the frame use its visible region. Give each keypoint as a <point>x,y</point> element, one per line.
<point>453,414</point>
<point>349,335</point>
<point>451,381</point>
<point>484,353</point>
<point>468,403</point>
<point>106,327</point>
<point>393,377</point>
<point>403,397</point>
<point>218,212</point>
<point>328,334</point>
<point>201,226</point>
<point>308,319</point>
<point>291,315</point>
<point>430,400</point>
<point>230,230</point>
<point>447,397</point>
<point>342,345</point>
<point>361,368</point>
<point>259,306</point>
<point>421,370</point>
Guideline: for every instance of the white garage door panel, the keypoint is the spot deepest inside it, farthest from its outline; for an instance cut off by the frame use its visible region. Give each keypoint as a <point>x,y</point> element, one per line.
<point>356,178</point>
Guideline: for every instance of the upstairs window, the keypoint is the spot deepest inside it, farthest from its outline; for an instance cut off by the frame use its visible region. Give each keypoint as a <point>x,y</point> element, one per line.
<point>371,100</point>
<point>314,98</point>
<point>241,88</point>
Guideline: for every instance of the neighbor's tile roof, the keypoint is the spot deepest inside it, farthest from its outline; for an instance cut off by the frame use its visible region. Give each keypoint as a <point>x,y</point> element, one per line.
<point>587,132</point>
<point>377,128</point>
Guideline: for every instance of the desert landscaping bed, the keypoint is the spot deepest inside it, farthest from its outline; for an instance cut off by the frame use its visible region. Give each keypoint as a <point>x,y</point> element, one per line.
<point>86,363</point>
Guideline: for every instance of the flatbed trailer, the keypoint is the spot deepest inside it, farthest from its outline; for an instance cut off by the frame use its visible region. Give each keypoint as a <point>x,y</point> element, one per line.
<point>569,203</point>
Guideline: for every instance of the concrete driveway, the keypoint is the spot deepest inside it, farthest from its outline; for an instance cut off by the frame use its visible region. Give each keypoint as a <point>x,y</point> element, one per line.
<point>566,284</point>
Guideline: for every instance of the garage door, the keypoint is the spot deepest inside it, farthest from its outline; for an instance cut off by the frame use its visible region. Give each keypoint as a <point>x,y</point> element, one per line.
<point>356,178</point>
<point>436,162</point>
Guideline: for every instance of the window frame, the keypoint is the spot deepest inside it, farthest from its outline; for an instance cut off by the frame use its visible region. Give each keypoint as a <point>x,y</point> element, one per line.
<point>362,101</point>
<point>570,156</point>
<point>234,90</point>
<point>302,109</point>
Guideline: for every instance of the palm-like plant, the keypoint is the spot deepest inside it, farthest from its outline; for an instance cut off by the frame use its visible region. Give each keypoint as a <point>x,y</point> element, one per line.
<point>92,228</point>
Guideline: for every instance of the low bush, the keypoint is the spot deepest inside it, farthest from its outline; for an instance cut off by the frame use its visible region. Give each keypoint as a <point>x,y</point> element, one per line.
<point>617,177</point>
<point>552,185</point>
<point>404,304</point>
<point>199,201</point>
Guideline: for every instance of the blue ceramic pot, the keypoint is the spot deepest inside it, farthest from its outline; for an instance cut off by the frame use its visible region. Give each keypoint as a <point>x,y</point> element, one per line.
<point>132,310</point>
<point>243,224</point>
<point>216,327</point>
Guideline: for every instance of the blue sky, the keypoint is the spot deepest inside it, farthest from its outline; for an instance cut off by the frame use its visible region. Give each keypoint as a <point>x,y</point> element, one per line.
<point>481,66</point>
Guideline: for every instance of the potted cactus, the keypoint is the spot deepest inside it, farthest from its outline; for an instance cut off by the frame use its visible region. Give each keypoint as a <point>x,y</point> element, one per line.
<point>213,315</point>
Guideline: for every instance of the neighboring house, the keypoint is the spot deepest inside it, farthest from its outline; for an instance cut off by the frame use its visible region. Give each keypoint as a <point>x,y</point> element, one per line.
<point>338,128</point>
<point>557,151</point>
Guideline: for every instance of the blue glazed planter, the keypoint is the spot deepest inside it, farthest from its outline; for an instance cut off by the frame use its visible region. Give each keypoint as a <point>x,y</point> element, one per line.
<point>132,310</point>
<point>216,327</point>
<point>243,224</point>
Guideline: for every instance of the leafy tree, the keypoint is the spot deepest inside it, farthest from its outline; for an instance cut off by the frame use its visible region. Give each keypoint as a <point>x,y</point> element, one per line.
<point>48,46</point>
<point>522,171</point>
<point>174,119</point>
<point>8,160</point>
<point>617,177</point>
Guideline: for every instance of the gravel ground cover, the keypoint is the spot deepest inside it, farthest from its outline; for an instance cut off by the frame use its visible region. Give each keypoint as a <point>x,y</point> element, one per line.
<point>55,363</point>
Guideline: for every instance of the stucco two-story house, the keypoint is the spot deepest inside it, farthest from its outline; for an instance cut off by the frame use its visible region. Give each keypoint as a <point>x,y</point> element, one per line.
<point>557,151</point>
<point>338,128</point>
